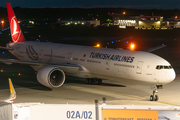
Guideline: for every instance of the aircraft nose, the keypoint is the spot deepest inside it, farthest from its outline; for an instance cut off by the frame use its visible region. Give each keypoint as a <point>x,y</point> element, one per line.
<point>170,75</point>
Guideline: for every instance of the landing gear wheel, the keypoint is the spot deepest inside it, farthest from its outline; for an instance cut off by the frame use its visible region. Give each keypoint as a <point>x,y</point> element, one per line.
<point>94,81</point>
<point>87,80</point>
<point>156,98</point>
<point>151,98</point>
<point>99,82</point>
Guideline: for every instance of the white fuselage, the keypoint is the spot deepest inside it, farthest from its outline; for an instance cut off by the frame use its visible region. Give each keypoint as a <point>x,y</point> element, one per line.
<point>105,63</point>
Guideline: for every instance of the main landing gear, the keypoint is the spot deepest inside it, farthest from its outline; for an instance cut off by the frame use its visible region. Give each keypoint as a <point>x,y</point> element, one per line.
<point>155,88</point>
<point>94,81</point>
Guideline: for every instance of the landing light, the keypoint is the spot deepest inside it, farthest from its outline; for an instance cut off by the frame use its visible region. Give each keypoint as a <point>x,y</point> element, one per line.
<point>1,70</point>
<point>19,74</point>
<point>132,46</point>
<point>98,45</point>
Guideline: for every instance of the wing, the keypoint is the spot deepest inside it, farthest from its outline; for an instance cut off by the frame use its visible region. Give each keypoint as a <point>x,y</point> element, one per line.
<point>155,48</point>
<point>67,68</point>
<point>6,48</point>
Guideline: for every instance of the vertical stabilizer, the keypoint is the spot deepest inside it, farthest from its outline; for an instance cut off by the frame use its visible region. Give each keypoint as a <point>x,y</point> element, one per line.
<point>12,93</point>
<point>12,90</point>
<point>16,32</point>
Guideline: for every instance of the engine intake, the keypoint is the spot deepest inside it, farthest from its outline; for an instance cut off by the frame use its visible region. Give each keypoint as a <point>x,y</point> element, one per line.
<point>51,77</point>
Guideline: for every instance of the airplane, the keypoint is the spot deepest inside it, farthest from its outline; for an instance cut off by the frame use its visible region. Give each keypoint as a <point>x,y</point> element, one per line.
<point>12,96</point>
<point>53,61</point>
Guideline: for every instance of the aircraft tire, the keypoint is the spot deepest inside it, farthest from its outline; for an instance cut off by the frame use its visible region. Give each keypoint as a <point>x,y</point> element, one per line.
<point>156,98</point>
<point>94,81</point>
<point>87,80</point>
<point>99,82</point>
<point>151,98</point>
<point>90,81</point>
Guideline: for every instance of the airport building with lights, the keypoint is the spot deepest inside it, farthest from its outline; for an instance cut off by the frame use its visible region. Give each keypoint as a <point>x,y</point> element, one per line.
<point>79,22</point>
<point>139,22</point>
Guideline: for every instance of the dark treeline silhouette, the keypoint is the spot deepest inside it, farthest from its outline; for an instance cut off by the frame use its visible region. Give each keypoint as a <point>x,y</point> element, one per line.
<point>83,13</point>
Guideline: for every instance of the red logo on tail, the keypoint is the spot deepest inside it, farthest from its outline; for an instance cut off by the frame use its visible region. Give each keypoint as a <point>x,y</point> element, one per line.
<point>14,30</point>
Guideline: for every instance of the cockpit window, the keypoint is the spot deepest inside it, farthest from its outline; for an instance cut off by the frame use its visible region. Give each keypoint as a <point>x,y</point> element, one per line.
<point>158,67</point>
<point>166,67</point>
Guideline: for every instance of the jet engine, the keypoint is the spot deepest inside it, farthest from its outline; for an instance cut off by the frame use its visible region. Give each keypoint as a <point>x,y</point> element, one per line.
<point>51,77</point>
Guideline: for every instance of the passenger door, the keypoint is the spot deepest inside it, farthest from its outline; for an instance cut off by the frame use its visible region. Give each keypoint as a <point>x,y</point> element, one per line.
<point>139,67</point>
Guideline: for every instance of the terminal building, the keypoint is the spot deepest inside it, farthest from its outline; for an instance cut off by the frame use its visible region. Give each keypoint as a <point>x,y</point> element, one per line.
<point>139,22</point>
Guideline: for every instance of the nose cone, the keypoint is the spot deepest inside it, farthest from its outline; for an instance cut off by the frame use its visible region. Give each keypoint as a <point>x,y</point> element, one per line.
<point>170,75</point>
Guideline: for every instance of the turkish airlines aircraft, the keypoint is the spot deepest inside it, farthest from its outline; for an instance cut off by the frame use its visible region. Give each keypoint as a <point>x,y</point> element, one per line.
<point>12,93</point>
<point>53,61</point>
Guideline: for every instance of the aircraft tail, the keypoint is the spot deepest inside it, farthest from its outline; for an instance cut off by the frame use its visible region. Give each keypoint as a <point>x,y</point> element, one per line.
<point>16,33</point>
<point>12,93</point>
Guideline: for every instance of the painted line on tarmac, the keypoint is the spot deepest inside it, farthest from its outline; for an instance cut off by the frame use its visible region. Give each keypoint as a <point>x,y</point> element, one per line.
<point>129,96</point>
<point>95,91</point>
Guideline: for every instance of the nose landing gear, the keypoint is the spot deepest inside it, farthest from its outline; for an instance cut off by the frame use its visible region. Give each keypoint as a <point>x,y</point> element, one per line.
<point>155,88</point>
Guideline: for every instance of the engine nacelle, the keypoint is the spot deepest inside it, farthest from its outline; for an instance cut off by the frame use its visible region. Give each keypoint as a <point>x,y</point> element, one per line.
<point>51,77</point>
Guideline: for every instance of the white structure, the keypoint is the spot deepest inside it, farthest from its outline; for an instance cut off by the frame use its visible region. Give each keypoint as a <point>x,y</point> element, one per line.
<point>39,111</point>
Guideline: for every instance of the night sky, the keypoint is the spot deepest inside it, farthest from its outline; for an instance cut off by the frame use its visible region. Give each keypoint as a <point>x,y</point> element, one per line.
<point>137,4</point>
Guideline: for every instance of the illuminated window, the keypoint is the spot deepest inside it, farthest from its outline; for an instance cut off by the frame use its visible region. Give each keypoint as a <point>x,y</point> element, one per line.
<point>152,18</point>
<point>143,18</point>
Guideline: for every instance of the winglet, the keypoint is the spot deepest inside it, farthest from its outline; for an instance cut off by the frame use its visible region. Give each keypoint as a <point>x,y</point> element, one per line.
<point>16,32</point>
<point>12,90</point>
<point>12,93</point>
